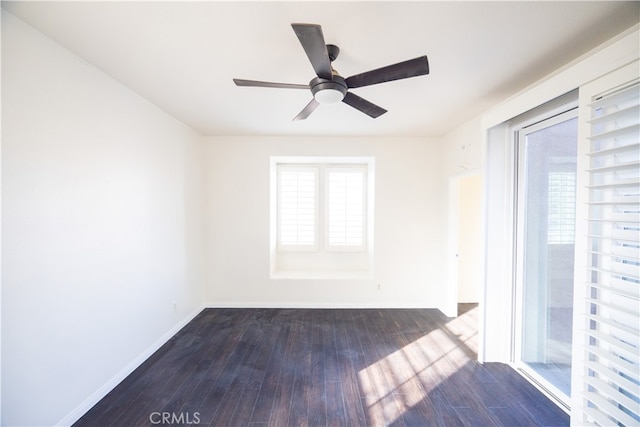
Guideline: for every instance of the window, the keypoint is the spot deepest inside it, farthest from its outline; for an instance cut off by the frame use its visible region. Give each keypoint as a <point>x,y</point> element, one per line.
<point>297,203</point>
<point>562,207</point>
<point>346,200</point>
<point>338,214</point>
<point>322,215</point>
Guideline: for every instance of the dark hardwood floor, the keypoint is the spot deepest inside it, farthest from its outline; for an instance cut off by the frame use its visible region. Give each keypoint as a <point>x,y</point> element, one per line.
<point>290,367</point>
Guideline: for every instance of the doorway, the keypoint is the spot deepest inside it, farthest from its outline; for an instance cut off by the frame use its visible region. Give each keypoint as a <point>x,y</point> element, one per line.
<point>465,242</point>
<point>469,238</point>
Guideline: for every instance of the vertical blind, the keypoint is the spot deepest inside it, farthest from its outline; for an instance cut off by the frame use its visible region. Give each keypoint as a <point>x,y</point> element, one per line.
<point>297,205</point>
<point>611,384</point>
<point>345,210</point>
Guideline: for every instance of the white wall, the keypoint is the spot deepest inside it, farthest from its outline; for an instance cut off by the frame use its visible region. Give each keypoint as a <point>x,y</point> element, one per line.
<point>408,255</point>
<point>102,229</point>
<point>463,149</point>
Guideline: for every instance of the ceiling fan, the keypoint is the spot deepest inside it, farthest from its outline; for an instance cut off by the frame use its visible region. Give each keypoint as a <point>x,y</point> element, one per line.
<point>329,87</point>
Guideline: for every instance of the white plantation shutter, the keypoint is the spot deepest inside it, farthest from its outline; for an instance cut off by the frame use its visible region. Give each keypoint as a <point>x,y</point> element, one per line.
<point>297,199</point>
<point>609,374</point>
<point>346,201</point>
<point>562,203</point>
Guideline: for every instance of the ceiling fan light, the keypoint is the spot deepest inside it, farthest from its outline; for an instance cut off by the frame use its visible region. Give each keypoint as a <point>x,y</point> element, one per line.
<point>329,96</point>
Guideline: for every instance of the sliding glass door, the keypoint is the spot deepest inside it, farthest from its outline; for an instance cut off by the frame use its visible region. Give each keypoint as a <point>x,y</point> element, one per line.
<point>545,250</point>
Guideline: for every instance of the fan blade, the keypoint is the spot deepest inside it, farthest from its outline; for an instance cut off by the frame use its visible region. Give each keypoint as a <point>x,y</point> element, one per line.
<point>363,105</point>
<point>256,83</point>
<point>306,111</point>
<point>312,40</point>
<point>402,70</point>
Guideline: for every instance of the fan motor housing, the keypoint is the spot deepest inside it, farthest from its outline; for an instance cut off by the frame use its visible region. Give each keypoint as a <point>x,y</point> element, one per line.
<point>328,91</point>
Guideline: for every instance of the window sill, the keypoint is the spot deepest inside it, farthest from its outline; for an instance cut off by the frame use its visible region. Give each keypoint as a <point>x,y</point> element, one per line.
<point>322,275</point>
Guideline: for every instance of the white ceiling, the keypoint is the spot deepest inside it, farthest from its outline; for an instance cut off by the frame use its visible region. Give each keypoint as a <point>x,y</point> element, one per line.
<point>182,56</point>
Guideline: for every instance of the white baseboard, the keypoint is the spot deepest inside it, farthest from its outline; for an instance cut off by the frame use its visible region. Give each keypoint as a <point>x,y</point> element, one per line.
<point>90,402</point>
<point>258,304</point>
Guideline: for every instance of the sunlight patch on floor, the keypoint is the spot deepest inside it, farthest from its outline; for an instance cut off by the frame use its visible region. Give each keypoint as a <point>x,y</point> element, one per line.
<point>399,381</point>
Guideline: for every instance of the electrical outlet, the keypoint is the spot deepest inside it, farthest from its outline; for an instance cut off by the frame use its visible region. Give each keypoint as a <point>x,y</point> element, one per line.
<point>175,306</point>
<point>379,286</point>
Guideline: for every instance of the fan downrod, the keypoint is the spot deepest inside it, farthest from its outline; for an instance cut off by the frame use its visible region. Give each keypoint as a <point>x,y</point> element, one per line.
<point>333,52</point>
